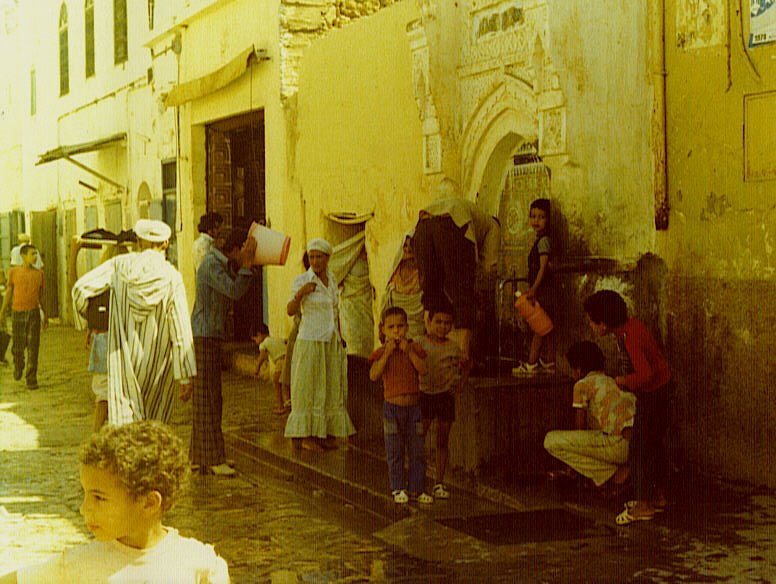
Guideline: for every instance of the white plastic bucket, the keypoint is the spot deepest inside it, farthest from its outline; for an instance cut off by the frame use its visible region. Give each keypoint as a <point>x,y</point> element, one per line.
<point>272,247</point>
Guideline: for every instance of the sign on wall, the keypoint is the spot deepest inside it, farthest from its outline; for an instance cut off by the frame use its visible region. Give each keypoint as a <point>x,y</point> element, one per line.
<point>762,22</point>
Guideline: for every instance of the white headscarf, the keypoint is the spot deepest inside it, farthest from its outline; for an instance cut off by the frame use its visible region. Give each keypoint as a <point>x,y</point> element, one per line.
<point>319,244</point>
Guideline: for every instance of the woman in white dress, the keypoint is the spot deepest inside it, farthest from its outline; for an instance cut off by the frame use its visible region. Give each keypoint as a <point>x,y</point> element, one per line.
<point>319,379</point>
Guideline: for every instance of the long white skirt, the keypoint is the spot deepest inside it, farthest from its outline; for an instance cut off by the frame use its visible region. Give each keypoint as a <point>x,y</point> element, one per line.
<point>319,390</point>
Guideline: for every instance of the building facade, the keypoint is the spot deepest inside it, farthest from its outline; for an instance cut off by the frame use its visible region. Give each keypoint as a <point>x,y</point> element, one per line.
<point>646,123</point>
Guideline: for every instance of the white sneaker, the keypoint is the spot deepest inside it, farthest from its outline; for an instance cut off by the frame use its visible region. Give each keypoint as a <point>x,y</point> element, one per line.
<point>400,497</point>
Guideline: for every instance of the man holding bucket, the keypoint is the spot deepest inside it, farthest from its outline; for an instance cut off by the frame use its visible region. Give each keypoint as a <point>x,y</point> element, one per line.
<point>216,288</point>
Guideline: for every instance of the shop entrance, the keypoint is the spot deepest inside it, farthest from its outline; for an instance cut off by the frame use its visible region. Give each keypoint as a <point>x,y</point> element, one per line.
<point>236,190</point>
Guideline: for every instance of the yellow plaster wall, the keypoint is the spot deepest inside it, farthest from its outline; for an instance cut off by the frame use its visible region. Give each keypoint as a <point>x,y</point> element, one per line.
<point>358,145</point>
<point>719,244</point>
<point>721,226</point>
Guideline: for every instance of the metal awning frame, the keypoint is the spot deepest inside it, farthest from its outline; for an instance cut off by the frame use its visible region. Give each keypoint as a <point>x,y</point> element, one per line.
<point>66,153</point>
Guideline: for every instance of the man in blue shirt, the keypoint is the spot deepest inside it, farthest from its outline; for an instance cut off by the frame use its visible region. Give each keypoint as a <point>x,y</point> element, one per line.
<point>216,288</point>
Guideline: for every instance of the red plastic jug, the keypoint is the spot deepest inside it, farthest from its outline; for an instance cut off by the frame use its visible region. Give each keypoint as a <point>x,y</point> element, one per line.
<point>533,314</point>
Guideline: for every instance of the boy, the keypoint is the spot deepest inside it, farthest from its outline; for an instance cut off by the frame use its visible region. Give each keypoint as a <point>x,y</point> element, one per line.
<point>541,290</point>
<point>439,385</point>
<point>24,293</point>
<point>644,372</point>
<point>131,475</point>
<point>398,362</point>
<point>598,448</point>
<point>273,349</point>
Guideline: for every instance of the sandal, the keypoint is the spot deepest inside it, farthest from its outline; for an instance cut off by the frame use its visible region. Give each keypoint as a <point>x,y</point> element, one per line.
<point>625,517</point>
<point>440,491</point>
<point>658,505</point>
<point>400,497</point>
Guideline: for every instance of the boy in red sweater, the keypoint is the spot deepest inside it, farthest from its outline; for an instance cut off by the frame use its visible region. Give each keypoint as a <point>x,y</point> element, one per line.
<point>24,294</point>
<point>643,371</point>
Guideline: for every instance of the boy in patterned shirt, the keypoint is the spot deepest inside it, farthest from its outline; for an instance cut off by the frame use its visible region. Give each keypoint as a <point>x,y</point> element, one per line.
<point>598,448</point>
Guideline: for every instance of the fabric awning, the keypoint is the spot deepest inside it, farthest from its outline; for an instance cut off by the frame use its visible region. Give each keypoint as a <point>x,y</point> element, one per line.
<point>349,217</point>
<point>69,150</point>
<point>191,90</point>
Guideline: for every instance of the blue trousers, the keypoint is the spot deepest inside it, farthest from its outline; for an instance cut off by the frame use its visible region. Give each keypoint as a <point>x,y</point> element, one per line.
<point>403,431</point>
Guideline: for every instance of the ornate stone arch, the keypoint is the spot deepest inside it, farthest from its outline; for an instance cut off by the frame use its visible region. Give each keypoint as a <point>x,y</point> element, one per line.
<point>506,118</point>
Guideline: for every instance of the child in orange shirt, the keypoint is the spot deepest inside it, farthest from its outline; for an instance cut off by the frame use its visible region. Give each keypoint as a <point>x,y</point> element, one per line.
<point>24,294</point>
<point>398,363</point>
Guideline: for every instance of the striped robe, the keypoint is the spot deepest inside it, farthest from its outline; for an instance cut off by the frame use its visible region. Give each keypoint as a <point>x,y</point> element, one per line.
<point>150,343</point>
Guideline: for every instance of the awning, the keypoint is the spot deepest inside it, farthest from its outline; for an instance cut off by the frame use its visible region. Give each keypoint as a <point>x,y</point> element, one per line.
<point>196,88</point>
<point>67,151</point>
<point>349,217</point>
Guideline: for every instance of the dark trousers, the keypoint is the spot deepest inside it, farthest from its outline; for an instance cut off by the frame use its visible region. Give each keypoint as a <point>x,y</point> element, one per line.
<point>646,453</point>
<point>207,439</point>
<point>26,337</point>
<point>446,264</point>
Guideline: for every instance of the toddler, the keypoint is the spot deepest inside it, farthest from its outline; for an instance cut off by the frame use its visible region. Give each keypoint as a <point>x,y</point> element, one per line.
<point>273,350</point>
<point>398,363</point>
<point>131,475</point>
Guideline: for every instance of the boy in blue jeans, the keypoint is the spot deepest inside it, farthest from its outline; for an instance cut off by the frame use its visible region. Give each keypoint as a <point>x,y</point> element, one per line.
<point>445,375</point>
<point>398,363</point>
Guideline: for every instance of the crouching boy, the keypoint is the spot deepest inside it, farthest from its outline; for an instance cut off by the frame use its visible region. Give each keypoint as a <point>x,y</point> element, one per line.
<point>131,475</point>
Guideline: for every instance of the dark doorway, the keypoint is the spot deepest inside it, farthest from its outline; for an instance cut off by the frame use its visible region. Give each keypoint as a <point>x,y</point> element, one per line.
<point>235,189</point>
<point>44,237</point>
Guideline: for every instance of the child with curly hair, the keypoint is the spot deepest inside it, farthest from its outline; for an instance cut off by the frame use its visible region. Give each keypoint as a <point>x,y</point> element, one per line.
<point>131,475</point>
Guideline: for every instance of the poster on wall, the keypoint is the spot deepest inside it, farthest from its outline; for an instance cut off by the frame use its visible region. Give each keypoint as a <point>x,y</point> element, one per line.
<point>700,24</point>
<point>762,22</point>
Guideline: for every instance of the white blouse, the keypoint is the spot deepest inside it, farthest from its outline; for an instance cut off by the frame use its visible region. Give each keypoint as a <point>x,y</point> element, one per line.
<point>320,309</point>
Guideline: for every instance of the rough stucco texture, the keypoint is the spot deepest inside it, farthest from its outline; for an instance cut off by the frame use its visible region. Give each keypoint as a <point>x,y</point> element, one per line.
<point>723,351</point>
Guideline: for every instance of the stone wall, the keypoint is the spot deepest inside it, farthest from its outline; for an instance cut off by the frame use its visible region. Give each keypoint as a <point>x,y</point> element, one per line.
<point>303,21</point>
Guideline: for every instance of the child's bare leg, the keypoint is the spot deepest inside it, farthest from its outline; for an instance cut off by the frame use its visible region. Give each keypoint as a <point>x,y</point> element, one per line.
<point>280,409</point>
<point>549,345</point>
<point>286,394</point>
<point>100,415</point>
<point>534,349</point>
<point>443,438</point>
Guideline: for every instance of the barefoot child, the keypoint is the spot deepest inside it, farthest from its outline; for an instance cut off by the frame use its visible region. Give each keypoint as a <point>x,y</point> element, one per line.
<point>273,349</point>
<point>541,290</point>
<point>398,363</point>
<point>442,381</point>
<point>131,475</point>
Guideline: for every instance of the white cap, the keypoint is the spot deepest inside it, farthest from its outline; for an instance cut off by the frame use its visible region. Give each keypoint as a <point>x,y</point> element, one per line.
<point>153,231</point>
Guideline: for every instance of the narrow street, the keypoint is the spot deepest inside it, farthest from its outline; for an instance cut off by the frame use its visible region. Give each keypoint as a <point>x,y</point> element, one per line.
<point>268,530</point>
<point>273,529</point>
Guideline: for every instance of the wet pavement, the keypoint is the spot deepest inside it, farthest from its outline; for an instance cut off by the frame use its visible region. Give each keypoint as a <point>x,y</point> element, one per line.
<point>297,516</point>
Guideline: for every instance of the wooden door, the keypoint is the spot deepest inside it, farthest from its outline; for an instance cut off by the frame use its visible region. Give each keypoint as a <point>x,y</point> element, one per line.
<point>44,237</point>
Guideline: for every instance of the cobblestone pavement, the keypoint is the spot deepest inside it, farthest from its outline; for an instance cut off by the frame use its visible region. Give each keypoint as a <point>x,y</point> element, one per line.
<point>272,530</point>
<point>268,530</point>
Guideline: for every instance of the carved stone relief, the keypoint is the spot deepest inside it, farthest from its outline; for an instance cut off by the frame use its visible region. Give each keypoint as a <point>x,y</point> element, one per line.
<point>432,140</point>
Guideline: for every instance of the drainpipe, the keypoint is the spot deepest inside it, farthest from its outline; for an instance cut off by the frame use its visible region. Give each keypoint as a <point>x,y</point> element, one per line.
<point>657,65</point>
